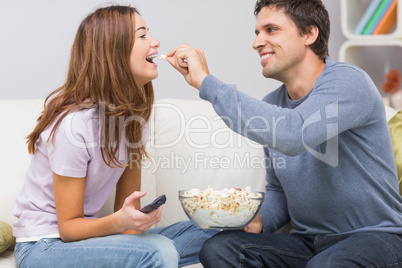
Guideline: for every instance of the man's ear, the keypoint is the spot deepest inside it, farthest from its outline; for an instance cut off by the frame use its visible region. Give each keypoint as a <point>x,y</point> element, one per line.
<point>311,35</point>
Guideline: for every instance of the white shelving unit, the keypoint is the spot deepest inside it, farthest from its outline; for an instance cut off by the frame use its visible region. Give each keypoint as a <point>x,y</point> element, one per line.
<point>373,53</point>
<point>350,50</point>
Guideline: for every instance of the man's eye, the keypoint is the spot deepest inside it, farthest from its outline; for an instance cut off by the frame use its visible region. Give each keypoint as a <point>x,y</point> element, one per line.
<point>270,30</point>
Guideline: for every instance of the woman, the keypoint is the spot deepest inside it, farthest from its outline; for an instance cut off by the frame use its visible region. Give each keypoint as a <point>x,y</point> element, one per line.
<point>80,148</point>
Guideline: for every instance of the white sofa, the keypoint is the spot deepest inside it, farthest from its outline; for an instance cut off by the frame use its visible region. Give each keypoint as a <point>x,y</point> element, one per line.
<point>189,146</point>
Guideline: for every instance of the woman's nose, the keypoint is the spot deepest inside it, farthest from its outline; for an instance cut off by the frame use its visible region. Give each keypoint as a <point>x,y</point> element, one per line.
<point>155,43</point>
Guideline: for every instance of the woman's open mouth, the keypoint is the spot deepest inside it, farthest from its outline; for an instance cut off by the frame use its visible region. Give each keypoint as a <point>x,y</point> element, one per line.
<point>150,58</point>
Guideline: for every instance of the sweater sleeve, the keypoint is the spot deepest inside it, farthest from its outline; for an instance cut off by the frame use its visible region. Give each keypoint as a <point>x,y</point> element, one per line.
<point>333,106</point>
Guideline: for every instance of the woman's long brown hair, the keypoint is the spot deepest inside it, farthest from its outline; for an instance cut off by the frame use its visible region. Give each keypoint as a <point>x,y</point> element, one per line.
<point>99,76</point>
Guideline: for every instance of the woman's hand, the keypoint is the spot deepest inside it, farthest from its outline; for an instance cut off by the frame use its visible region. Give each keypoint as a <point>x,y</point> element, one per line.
<point>190,62</point>
<point>131,218</point>
<point>255,226</point>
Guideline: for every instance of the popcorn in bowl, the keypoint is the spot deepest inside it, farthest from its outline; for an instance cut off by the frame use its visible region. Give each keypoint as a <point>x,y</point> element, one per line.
<point>221,209</point>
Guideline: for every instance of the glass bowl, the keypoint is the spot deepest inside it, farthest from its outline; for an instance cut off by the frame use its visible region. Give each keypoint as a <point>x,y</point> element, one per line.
<point>227,209</point>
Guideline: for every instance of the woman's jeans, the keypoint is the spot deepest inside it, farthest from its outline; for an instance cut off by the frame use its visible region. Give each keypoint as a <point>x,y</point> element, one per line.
<point>239,249</point>
<point>172,246</point>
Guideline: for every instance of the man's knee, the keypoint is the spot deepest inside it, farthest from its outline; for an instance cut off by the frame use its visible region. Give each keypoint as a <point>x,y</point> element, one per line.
<point>330,260</point>
<point>214,247</point>
<point>209,249</point>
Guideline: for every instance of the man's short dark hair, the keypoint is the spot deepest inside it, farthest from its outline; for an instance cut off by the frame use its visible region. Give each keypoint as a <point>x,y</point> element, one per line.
<point>304,13</point>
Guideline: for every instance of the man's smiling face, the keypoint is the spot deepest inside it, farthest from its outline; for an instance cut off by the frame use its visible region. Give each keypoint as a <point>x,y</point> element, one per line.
<point>278,42</point>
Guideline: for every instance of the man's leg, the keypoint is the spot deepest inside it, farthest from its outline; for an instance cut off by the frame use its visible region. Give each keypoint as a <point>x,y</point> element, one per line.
<point>368,249</point>
<point>241,249</point>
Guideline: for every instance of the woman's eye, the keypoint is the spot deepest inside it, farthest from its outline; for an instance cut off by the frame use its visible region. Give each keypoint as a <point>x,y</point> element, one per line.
<point>143,36</point>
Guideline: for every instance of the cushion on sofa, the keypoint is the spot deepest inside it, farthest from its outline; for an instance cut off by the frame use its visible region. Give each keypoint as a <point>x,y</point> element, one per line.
<point>6,236</point>
<point>395,127</point>
<point>193,148</point>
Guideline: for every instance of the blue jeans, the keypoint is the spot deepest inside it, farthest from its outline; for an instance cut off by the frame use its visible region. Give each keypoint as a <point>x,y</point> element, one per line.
<point>187,238</point>
<point>240,249</point>
<point>155,248</point>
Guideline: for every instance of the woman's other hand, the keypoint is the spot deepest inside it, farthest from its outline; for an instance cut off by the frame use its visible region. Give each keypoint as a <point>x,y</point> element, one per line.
<point>129,217</point>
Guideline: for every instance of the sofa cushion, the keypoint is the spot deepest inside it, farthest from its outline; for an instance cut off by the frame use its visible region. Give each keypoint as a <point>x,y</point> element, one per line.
<point>6,236</point>
<point>195,149</point>
<point>395,127</point>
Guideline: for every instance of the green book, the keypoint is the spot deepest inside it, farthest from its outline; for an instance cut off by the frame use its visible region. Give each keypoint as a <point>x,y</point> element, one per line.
<point>376,16</point>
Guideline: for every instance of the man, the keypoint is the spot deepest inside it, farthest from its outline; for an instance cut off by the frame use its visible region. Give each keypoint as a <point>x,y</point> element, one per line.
<point>339,187</point>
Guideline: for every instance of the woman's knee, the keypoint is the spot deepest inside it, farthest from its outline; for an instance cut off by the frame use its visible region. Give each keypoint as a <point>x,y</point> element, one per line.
<point>163,249</point>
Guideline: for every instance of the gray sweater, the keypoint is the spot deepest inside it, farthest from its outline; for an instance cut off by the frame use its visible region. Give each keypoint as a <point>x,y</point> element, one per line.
<point>329,158</point>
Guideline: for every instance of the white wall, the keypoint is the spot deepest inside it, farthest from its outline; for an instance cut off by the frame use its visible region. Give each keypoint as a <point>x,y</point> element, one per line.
<point>36,37</point>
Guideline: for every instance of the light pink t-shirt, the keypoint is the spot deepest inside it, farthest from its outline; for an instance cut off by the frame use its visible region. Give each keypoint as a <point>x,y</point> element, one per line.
<point>76,152</point>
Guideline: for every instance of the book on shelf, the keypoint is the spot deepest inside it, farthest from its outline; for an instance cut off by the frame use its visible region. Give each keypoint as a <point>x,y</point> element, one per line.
<point>376,17</point>
<point>367,15</point>
<point>379,18</point>
<point>388,21</point>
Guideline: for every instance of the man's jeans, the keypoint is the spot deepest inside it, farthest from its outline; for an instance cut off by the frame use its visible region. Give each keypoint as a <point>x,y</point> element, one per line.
<point>160,247</point>
<point>241,249</point>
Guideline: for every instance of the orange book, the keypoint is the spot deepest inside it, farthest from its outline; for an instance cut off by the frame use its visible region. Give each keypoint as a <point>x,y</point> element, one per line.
<point>388,21</point>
